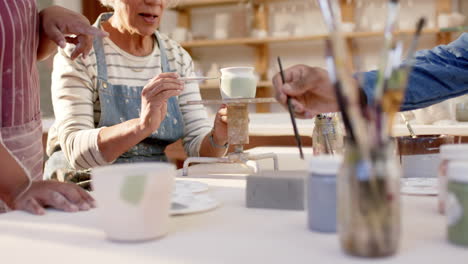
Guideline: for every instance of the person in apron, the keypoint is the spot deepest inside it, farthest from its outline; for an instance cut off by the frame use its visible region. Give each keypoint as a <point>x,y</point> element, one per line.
<point>121,103</point>
<point>26,39</point>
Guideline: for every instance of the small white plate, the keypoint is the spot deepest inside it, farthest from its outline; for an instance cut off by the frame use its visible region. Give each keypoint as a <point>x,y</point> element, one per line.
<point>419,186</point>
<point>190,186</point>
<point>193,203</point>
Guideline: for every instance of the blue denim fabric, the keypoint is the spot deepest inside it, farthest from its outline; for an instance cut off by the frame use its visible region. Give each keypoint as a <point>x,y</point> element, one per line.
<point>438,74</point>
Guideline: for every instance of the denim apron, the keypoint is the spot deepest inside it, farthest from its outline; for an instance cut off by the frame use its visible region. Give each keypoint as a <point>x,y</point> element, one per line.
<point>120,103</point>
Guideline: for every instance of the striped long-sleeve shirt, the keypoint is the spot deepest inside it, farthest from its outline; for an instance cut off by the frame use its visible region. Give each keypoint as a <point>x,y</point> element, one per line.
<point>76,102</point>
<point>20,119</point>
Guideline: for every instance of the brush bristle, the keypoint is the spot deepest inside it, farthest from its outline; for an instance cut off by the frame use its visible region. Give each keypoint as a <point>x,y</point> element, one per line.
<point>421,24</point>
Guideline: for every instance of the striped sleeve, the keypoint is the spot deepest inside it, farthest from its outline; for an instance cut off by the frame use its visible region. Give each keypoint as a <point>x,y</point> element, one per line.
<point>195,117</point>
<point>73,97</point>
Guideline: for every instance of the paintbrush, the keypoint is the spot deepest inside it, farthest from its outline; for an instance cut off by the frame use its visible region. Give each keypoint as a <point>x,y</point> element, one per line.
<point>408,125</point>
<point>338,90</point>
<point>346,85</point>
<point>324,132</point>
<point>414,44</point>
<point>396,86</point>
<point>197,79</point>
<point>291,112</point>
<point>389,44</point>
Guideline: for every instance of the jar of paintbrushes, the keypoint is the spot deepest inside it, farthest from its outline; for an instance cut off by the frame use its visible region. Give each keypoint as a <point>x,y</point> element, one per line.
<point>368,202</point>
<point>327,136</point>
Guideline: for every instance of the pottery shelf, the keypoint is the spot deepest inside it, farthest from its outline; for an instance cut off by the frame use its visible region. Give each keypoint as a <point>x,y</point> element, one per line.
<point>272,40</point>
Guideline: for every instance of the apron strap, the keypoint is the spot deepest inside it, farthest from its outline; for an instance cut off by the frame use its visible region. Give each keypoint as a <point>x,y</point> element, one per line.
<point>164,61</point>
<point>99,49</point>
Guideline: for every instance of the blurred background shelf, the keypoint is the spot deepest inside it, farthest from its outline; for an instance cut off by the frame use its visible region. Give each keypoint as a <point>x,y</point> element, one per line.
<point>271,40</point>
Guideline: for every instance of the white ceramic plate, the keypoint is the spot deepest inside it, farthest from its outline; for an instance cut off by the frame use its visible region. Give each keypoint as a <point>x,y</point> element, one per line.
<point>419,186</point>
<point>192,203</point>
<point>182,186</point>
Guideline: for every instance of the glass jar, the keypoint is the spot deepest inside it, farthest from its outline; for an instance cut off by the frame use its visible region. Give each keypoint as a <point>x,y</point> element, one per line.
<point>420,156</point>
<point>369,202</point>
<point>457,203</point>
<point>238,82</point>
<point>448,153</point>
<point>327,136</point>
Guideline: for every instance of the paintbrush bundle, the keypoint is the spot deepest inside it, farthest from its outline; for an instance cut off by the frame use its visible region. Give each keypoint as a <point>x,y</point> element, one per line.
<point>368,201</point>
<point>327,137</point>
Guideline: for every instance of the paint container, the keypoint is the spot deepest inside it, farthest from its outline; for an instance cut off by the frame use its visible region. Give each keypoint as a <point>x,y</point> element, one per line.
<point>457,203</point>
<point>321,193</point>
<point>448,154</point>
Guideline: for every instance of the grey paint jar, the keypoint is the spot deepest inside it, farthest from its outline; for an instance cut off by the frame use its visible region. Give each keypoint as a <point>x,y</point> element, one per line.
<point>321,193</point>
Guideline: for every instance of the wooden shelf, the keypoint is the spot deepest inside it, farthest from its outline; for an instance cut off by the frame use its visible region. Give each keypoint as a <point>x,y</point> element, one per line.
<point>246,41</point>
<point>400,32</point>
<point>261,84</point>
<point>270,40</point>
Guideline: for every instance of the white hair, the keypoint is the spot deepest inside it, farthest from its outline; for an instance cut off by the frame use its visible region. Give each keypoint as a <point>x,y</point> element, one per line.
<point>107,3</point>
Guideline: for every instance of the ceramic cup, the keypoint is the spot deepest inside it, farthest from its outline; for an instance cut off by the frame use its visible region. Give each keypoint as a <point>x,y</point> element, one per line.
<point>134,200</point>
<point>238,82</point>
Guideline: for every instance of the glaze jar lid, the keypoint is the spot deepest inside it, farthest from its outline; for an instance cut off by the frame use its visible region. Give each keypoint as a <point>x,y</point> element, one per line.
<point>458,171</point>
<point>325,164</point>
<point>454,151</point>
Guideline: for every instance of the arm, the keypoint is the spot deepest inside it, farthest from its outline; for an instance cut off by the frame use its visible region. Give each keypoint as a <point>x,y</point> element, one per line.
<point>55,23</point>
<point>13,178</point>
<point>197,128</point>
<point>438,74</point>
<point>19,193</point>
<point>74,94</point>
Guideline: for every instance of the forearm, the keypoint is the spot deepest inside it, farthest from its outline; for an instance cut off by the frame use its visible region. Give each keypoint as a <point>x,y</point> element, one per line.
<point>438,74</point>
<point>115,140</point>
<point>13,178</point>
<point>207,149</point>
<point>46,46</point>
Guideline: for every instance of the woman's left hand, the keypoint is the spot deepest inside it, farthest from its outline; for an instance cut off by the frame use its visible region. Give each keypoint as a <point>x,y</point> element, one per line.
<point>220,130</point>
<point>58,23</point>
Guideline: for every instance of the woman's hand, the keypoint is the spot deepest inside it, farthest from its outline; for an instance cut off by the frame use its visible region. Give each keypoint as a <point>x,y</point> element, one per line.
<point>154,99</point>
<point>62,196</point>
<point>310,89</point>
<point>220,129</point>
<point>58,24</point>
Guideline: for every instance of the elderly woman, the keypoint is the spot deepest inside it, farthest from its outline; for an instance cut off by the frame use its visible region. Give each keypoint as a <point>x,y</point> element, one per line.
<point>121,103</point>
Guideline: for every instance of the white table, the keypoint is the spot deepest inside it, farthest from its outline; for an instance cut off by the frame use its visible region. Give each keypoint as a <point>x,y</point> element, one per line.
<point>279,124</point>
<point>229,234</point>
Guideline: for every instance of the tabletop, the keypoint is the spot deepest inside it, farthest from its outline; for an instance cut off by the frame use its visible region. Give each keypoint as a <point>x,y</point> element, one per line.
<point>279,124</point>
<point>231,233</point>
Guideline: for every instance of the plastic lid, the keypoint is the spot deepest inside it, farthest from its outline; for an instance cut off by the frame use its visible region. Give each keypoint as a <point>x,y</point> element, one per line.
<point>458,171</point>
<point>454,151</point>
<point>326,164</point>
